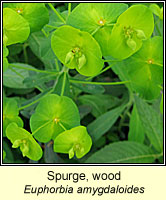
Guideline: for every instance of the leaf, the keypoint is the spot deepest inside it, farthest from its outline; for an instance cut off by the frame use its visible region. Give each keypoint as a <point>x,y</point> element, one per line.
<point>102,124</point>
<point>13,77</point>
<point>91,16</point>
<point>5,60</point>
<point>157,10</point>
<point>161,105</point>
<point>123,152</point>
<point>99,103</point>
<point>152,123</point>
<point>19,137</point>
<point>68,39</point>
<point>15,27</point>
<point>36,14</point>
<point>10,114</point>
<point>41,47</point>
<point>75,140</point>
<point>137,17</point>
<point>52,114</point>
<point>50,156</point>
<point>136,130</point>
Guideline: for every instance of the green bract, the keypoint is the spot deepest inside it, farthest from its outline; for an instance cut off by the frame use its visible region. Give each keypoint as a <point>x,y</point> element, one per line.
<point>145,68</point>
<point>10,114</point>
<point>52,116</point>
<point>77,49</point>
<point>19,137</point>
<point>133,26</point>
<point>92,16</point>
<point>5,60</point>
<point>15,27</point>
<point>36,14</point>
<point>74,141</point>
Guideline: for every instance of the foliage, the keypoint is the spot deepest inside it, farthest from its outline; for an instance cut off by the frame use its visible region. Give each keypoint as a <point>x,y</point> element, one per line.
<point>83,79</point>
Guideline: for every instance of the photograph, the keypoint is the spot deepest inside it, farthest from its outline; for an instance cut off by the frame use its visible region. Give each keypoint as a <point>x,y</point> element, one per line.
<point>82,83</point>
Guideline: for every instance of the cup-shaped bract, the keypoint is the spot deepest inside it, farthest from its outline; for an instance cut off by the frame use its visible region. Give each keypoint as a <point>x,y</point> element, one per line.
<point>66,40</point>
<point>52,114</point>
<point>136,19</point>
<point>36,14</point>
<point>15,28</point>
<point>19,137</point>
<point>10,114</point>
<point>145,68</point>
<point>5,60</point>
<point>75,141</point>
<point>91,16</point>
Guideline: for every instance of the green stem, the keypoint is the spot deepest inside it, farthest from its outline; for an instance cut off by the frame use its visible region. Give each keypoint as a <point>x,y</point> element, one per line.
<point>98,83</point>
<point>50,26</point>
<point>95,31</point>
<point>33,69</point>
<point>110,24</point>
<point>112,60</point>
<point>57,13</point>
<point>63,84</point>
<point>25,52</point>
<point>45,34</point>
<point>69,8</point>
<point>57,65</point>
<point>61,125</point>
<point>39,88</point>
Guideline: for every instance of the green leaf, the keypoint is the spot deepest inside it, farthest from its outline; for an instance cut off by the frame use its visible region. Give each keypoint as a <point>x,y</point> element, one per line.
<point>68,39</point>
<point>123,152</point>
<point>14,77</point>
<point>10,114</point>
<point>19,137</point>
<point>102,124</point>
<point>136,130</point>
<point>41,47</point>
<point>15,27</point>
<point>92,16</point>
<point>137,17</point>
<point>73,141</point>
<point>152,123</point>
<point>99,103</point>
<point>52,114</point>
<point>4,154</point>
<point>36,14</point>
<point>145,68</point>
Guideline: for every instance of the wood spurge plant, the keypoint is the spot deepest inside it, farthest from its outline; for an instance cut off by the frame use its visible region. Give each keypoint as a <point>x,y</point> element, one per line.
<point>83,79</point>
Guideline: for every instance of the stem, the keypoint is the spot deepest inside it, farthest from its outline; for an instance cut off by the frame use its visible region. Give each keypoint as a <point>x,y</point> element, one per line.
<point>25,52</point>
<point>98,83</point>
<point>61,125</point>
<point>63,84</point>
<point>95,30</point>
<point>33,69</point>
<point>50,26</point>
<point>69,8</point>
<point>40,89</point>
<point>45,34</point>
<point>110,24</point>
<point>57,13</point>
<point>57,65</point>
